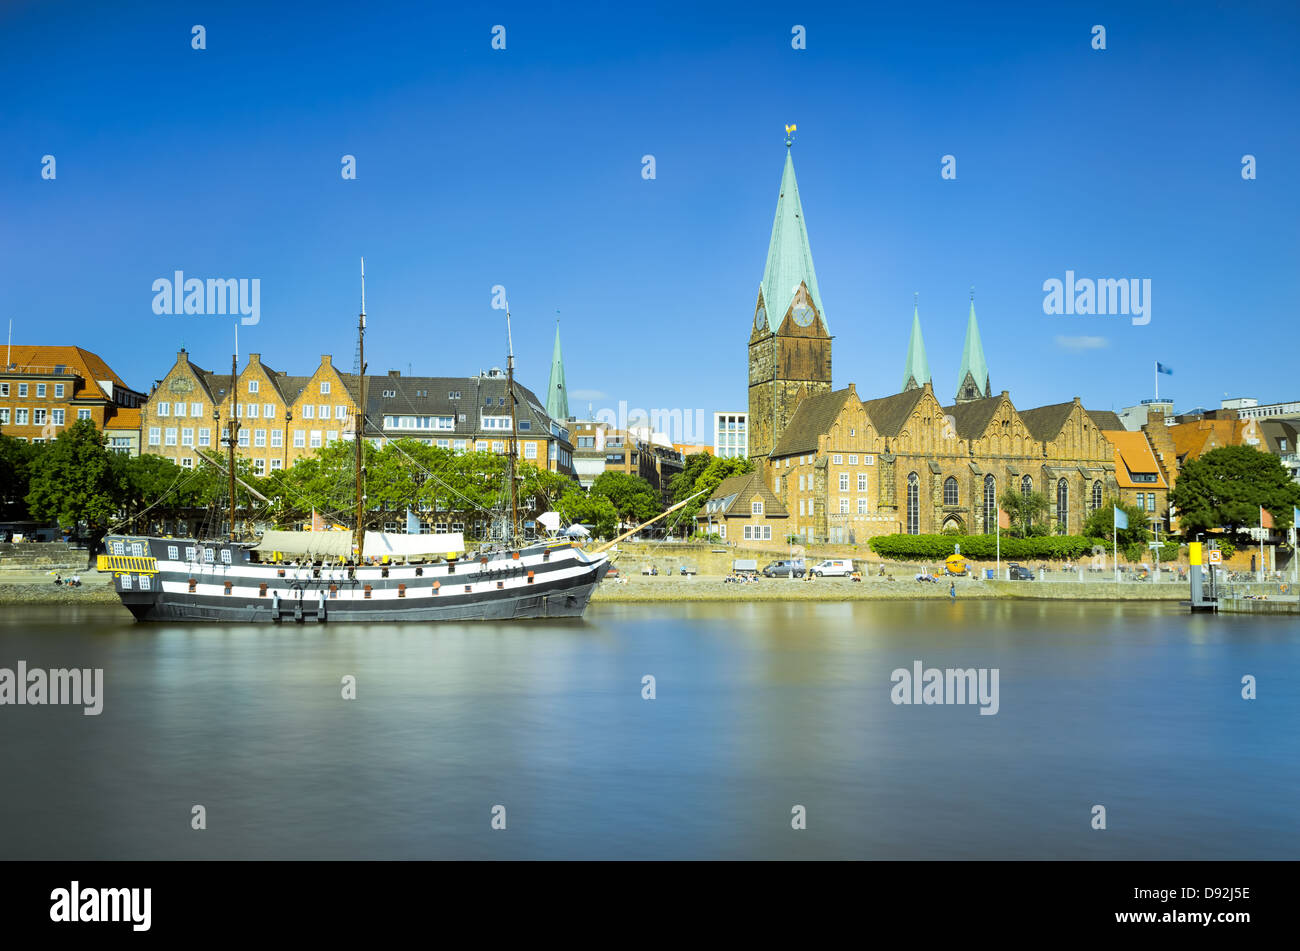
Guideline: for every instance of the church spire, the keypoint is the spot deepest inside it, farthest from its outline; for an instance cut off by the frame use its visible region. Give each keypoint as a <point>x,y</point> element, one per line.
<point>789,258</point>
<point>557,397</point>
<point>973,377</point>
<point>916,373</point>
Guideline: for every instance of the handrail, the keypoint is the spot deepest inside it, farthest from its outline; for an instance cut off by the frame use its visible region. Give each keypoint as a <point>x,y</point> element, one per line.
<point>136,563</point>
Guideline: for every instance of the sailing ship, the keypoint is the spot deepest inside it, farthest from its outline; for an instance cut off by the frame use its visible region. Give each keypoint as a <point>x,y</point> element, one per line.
<point>358,576</point>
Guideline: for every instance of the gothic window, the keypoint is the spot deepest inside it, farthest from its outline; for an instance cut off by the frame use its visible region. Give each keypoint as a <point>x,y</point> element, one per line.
<point>1096,496</point>
<point>1026,485</point>
<point>913,504</point>
<point>1062,504</point>
<point>990,502</point>
<point>950,491</point>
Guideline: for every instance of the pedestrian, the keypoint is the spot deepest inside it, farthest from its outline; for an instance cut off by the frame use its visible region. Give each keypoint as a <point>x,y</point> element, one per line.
<point>952,590</point>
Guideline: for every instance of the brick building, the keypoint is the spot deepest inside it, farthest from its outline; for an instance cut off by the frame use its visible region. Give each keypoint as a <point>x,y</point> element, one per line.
<point>44,389</point>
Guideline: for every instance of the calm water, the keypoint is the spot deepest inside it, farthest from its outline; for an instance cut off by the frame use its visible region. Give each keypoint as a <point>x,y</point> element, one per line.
<point>759,708</point>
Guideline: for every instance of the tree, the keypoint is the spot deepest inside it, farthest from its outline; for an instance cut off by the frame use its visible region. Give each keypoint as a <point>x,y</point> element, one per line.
<point>1226,487</point>
<point>16,458</point>
<point>1028,511</point>
<point>1100,525</point>
<point>633,497</point>
<point>74,481</point>
<point>595,510</point>
<point>157,486</point>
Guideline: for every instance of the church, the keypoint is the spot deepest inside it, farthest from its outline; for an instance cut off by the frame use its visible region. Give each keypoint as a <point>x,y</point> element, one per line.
<point>834,467</point>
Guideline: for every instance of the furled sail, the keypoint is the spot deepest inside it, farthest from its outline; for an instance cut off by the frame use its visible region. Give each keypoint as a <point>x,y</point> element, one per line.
<point>339,544</point>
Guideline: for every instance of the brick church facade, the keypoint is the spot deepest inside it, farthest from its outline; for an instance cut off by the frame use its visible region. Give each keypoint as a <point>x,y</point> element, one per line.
<point>843,469</point>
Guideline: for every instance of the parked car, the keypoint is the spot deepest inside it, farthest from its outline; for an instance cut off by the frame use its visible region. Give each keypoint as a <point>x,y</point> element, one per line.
<point>782,569</point>
<point>1019,572</point>
<point>833,568</point>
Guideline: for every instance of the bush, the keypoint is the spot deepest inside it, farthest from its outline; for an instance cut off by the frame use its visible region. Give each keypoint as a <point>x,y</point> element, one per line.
<point>982,547</point>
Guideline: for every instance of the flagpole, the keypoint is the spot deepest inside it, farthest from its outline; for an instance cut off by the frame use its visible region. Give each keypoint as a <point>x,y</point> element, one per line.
<point>1114,532</point>
<point>998,535</point>
<point>1157,376</point>
<point>1259,575</point>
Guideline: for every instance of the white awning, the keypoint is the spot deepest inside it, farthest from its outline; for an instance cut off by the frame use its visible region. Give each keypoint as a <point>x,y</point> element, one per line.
<point>339,544</point>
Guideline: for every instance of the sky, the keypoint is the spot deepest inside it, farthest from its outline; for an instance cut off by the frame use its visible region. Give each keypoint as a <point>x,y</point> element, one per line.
<point>523,167</point>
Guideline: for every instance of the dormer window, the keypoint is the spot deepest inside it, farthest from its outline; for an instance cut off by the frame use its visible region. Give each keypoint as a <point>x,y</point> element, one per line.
<point>756,508</point>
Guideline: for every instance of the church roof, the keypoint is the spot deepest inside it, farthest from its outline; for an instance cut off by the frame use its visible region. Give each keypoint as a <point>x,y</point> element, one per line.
<point>789,258</point>
<point>1105,419</point>
<point>916,371</point>
<point>972,355</point>
<point>889,413</point>
<point>972,418</point>
<point>1044,422</point>
<point>557,394</point>
<point>812,417</point>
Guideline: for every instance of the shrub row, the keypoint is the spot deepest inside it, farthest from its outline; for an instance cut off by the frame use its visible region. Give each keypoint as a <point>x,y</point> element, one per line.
<point>982,546</point>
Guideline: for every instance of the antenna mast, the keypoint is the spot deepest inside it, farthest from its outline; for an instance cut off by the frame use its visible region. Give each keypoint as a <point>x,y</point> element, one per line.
<point>359,534</point>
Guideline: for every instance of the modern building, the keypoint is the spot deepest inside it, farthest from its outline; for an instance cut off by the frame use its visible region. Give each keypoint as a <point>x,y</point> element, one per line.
<point>44,389</point>
<point>600,448</point>
<point>731,435</point>
<point>1251,409</point>
<point>845,469</point>
<point>1134,418</point>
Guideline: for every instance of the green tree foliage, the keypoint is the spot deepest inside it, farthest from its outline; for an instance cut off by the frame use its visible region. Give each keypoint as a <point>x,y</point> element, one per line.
<point>703,473</point>
<point>1100,524</point>
<point>16,458</point>
<point>1226,487</point>
<point>596,511</point>
<point>74,481</point>
<point>633,497</point>
<point>1029,511</point>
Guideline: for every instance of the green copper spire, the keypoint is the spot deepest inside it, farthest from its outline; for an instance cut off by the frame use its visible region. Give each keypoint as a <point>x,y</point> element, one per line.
<point>789,259</point>
<point>973,377</point>
<point>557,397</point>
<point>916,373</point>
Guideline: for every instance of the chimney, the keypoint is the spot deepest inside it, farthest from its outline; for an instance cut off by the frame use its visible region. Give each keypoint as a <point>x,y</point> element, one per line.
<point>325,360</point>
<point>254,359</point>
<point>182,357</point>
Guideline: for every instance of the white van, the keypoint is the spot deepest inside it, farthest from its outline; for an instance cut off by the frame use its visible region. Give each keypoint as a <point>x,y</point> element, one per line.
<point>833,568</point>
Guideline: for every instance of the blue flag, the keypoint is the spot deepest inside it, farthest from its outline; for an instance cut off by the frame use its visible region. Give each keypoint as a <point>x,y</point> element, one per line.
<point>412,523</point>
<point>1161,368</point>
<point>1121,518</point>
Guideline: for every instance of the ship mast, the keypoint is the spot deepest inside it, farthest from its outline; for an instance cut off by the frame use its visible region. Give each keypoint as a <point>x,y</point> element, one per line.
<point>514,437</point>
<point>233,427</point>
<point>359,535</point>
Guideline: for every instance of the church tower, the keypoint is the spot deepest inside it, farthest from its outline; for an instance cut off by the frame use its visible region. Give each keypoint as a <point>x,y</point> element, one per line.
<point>557,396</point>
<point>973,377</point>
<point>789,345</point>
<point>916,372</point>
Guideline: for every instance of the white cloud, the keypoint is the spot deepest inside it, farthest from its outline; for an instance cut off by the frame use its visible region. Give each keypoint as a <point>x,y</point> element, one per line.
<point>1082,343</point>
<point>586,394</point>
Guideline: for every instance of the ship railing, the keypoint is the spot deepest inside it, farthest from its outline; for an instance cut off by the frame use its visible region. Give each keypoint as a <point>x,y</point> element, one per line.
<point>133,563</point>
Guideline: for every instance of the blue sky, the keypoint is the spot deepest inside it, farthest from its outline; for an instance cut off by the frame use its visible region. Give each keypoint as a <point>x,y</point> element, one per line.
<point>522,167</point>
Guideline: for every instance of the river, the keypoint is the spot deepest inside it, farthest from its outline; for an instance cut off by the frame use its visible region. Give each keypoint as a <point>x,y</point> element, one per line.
<point>758,709</point>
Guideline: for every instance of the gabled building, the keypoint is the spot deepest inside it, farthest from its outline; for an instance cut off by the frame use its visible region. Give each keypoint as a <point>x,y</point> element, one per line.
<point>744,510</point>
<point>1139,477</point>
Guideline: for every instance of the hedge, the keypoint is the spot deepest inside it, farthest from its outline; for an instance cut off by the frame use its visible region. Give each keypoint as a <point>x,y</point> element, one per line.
<point>981,546</point>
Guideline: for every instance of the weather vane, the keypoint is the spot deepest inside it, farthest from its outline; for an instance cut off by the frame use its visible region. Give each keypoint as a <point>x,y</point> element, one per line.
<point>789,135</point>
